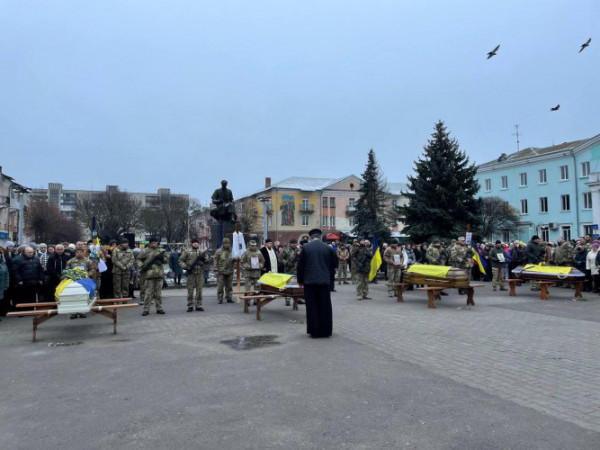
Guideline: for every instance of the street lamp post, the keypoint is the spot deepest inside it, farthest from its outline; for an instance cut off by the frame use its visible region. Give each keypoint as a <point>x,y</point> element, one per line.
<point>264,200</point>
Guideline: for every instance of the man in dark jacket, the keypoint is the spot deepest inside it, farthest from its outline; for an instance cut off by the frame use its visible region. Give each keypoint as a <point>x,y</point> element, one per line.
<point>314,267</point>
<point>55,265</point>
<point>28,275</point>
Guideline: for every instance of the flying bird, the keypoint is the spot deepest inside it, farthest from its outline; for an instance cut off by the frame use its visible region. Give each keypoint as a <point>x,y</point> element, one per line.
<point>587,44</point>
<point>493,52</point>
<point>556,108</point>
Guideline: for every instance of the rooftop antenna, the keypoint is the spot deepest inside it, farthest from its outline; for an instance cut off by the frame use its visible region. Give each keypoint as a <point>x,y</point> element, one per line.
<point>517,134</point>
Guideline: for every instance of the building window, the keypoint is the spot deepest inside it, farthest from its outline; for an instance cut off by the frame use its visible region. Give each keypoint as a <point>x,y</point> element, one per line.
<point>545,234</point>
<point>332,221</point>
<point>523,178</point>
<point>524,206</point>
<point>325,221</point>
<point>542,176</point>
<point>543,204</point>
<point>395,203</point>
<point>566,232</point>
<point>504,182</point>
<point>332,202</point>
<point>564,173</point>
<point>587,200</point>
<point>565,202</point>
<point>587,229</point>
<point>585,169</point>
<point>305,203</point>
<point>506,235</point>
<point>488,184</point>
<point>304,221</point>
<point>352,221</point>
<point>351,202</point>
<point>324,202</point>
<point>269,221</point>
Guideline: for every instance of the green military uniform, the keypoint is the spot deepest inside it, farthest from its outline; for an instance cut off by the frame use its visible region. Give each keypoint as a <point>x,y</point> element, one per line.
<point>195,276</point>
<point>353,262</point>
<point>498,258</point>
<point>363,256</point>
<point>223,266</point>
<point>288,256</point>
<point>122,259</point>
<point>461,257</point>
<point>395,263</point>
<point>151,261</point>
<point>563,256</point>
<point>251,275</point>
<point>83,263</point>
<point>434,255</point>
<point>343,255</point>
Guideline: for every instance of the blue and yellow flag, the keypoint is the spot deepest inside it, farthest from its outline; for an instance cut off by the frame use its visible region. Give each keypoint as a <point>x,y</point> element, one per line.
<point>477,256</point>
<point>375,260</point>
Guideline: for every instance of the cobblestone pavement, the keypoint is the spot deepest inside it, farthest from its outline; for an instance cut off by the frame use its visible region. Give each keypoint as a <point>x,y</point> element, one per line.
<point>541,355</point>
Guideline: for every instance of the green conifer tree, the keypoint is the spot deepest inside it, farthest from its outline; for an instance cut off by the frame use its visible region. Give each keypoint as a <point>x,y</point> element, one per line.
<point>441,196</point>
<point>371,206</point>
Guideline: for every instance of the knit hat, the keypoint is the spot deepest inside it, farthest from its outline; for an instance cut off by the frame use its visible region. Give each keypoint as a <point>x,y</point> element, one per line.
<point>226,241</point>
<point>10,244</point>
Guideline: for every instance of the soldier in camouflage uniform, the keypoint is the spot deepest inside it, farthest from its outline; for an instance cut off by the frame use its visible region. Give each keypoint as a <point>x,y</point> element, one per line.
<point>563,256</point>
<point>461,257</point>
<point>353,249</point>
<point>151,261</point>
<point>363,256</point>
<point>395,263</point>
<point>223,267</point>
<point>434,254</point>
<point>343,255</point>
<point>251,275</point>
<point>80,261</point>
<point>122,259</point>
<point>288,256</point>
<point>193,260</point>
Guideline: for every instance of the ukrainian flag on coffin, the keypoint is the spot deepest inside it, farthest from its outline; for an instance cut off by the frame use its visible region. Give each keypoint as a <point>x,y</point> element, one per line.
<point>277,280</point>
<point>88,284</point>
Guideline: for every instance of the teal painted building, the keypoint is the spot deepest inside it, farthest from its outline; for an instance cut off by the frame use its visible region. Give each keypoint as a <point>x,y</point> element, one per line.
<point>556,190</point>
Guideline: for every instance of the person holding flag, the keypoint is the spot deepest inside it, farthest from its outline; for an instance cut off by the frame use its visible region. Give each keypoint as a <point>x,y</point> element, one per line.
<point>363,258</point>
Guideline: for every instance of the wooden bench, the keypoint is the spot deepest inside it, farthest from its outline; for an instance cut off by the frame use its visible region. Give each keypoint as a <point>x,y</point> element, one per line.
<point>434,293</point>
<point>512,284</point>
<point>49,310</point>
<point>400,288</point>
<point>263,300</point>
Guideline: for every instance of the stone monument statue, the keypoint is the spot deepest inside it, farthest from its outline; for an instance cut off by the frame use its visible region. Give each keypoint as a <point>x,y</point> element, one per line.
<point>224,210</point>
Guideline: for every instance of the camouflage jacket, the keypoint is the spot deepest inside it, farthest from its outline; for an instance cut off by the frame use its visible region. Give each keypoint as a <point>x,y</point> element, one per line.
<point>149,254</point>
<point>122,259</point>
<point>223,264</point>
<point>434,256</point>
<point>363,257</point>
<point>388,256</point>
<point>84,263</point>
<point>289,258</point>
<point>563,255</point>
<point>246,263</point>
<point>461,257</point>
<point>342,253</point>
<point>189,256</point>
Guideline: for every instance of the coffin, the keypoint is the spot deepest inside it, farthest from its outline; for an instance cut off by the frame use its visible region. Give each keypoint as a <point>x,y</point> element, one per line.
<point>74,298</point>
<point>548,273</point>
<point>291,289</point>
<point>436,276</point>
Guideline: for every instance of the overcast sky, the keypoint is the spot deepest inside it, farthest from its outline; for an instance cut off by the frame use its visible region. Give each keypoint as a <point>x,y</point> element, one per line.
<point>181,94</point>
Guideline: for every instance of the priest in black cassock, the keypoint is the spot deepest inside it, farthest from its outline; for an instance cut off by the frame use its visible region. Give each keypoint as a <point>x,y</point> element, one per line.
<point>314,265</point>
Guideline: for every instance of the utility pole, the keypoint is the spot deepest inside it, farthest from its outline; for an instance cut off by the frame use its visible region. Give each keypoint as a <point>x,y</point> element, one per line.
<point>517,135</point>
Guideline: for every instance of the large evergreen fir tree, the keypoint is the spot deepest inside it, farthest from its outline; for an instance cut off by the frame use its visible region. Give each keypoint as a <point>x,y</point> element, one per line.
<point>370,207</point>
<point>441,198</point>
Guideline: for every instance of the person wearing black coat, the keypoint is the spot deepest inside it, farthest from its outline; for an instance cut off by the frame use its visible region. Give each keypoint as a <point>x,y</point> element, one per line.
<point>314,268</point>
<point>55,265</point>
<point>28,275</point>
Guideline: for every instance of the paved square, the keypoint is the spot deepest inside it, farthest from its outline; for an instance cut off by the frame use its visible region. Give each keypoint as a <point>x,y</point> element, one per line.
<point>510,372</point>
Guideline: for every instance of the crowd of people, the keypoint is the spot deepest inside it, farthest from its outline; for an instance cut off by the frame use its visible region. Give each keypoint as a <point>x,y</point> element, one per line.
<point>31,273</point>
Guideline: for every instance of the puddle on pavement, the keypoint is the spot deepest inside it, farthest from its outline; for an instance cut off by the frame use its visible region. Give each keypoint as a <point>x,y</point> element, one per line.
<point>63,344</point>
<point>251,342</point>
